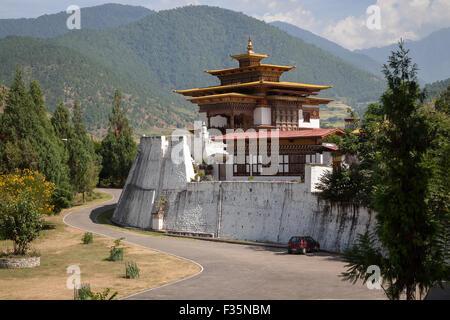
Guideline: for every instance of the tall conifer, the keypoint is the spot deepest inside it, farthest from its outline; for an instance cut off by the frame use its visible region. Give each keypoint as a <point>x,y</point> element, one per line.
<point>118,147</point>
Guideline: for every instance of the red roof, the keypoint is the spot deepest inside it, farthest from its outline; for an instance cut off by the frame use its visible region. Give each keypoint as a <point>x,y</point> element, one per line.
<point>304,133</point>
<point>334,148</point>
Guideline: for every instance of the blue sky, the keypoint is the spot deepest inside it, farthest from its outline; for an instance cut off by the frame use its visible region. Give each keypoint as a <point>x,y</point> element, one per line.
<point>341,21</point>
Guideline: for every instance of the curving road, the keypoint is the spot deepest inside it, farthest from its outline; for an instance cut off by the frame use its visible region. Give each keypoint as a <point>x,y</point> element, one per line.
<point>234,271</point>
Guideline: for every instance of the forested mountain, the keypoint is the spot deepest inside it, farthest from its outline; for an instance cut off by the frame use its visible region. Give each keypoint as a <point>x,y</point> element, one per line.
<point>436,88</point>
<point>168,50</point>
<point>65,74</point>
<point>360,60</point>
<point>53,25</point>
<point>430,53</point>
<point>3,91</point>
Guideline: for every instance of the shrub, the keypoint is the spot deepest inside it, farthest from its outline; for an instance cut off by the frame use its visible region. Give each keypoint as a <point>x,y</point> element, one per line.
<point>87,238</point>
<point>62,198</point>
<point>116,253</point>
<point>20,221</point>
<point>161,204</point>
<point>131,270</point>
<point>85,293</point>
<point>15,185</point>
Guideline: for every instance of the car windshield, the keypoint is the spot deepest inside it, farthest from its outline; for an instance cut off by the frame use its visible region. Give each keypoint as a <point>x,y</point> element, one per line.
<point>295,239</point>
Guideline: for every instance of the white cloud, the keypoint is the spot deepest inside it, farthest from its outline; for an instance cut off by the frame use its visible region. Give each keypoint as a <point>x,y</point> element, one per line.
<point>399,19</point>
<point>297,16</point>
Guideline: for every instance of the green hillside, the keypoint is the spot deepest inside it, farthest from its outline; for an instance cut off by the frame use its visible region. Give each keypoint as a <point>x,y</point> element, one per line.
<point>175,46</point>
<point>436,88</point>
<point>168,50</point>
<point>53,25</point>
<point>65,74</point>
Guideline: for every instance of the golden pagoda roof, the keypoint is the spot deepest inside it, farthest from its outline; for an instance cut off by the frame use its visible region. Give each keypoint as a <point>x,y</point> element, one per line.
<point>319,100</point>
<point>250,68</point>
<point>241,97</point>
<point>261,83</point>
<point>249,53</point>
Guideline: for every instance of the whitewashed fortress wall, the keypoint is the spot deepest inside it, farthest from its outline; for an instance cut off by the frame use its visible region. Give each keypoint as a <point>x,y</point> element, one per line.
<point>243,210</point>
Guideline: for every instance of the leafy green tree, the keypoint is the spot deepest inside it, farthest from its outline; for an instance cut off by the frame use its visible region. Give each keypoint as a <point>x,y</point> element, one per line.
<point>118,148</point>
<point>354,181</point>
<point>20,221</point>
<point>412,228</point>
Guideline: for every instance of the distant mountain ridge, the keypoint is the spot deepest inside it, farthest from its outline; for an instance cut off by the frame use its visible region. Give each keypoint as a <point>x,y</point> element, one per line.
<point>53,25</point>
<point>432,55</point>
<point>360,60</point>
<point>149,57</point>
<point>434,89</point>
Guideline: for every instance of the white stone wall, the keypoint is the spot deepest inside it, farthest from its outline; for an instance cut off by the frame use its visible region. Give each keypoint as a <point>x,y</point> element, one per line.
<point>313,173</point>
<point>262,116</point>
<point>314,123</point>
<point>244,210</point>
<point>152,174</point>
<point>265,211</point>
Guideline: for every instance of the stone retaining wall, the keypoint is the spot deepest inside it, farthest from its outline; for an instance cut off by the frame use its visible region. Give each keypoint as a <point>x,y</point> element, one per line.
<point>242,210</point>
<point>19,263</point>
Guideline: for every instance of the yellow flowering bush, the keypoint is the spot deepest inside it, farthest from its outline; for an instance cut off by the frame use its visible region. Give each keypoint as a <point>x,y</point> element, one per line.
<point>32,184</point>
<point>25,196</point>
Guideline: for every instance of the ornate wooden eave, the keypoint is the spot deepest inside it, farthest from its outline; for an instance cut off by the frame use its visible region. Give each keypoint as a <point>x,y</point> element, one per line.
<point>255,84</point>
<point>261,67</point>
<point>225,97</point>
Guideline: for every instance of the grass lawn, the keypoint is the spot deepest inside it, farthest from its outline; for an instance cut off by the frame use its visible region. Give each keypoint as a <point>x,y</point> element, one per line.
<point>60,247</point>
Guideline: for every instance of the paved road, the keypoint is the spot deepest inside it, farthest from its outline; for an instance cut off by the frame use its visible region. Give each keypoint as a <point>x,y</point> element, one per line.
<point>233,271</point>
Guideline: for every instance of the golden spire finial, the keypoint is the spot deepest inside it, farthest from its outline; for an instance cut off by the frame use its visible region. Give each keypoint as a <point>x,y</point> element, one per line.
<point>250,45</point>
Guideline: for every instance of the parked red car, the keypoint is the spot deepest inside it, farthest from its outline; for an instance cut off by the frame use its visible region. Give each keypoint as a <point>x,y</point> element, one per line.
<point>302,244</point>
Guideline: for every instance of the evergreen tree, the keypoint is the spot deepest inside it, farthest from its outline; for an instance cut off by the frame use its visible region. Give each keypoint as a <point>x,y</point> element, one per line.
<point>118,148</point>
<point>61,123</point>
<point>17,146</point>
<point>84,163</point>
<point>28,139</point>
<point>410,196</point>
<point>78,125</point>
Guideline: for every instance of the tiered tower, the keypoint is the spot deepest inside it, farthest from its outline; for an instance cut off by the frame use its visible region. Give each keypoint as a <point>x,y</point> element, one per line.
<point>252,96</point>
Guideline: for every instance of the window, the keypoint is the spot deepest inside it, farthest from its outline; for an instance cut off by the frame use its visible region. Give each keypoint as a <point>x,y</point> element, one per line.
<point>306,116</point>
<point>256,165</point>
<point>251,162</point>
<point>283,164</point>
<point>293,164</point>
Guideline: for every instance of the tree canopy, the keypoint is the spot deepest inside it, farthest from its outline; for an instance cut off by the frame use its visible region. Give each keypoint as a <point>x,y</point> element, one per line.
<point>409,187</point>
<point>118,148</point>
